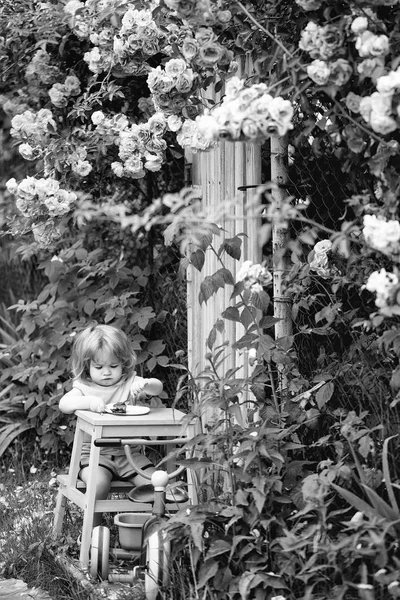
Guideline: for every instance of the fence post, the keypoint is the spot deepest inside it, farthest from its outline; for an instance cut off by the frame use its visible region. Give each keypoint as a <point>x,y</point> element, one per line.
<point>280,235</point>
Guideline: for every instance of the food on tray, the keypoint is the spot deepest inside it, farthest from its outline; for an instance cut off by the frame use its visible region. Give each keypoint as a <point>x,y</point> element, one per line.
<point>119,408</point>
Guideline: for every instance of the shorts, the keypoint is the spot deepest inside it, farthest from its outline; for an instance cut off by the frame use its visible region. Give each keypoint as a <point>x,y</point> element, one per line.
<point>119,465</point>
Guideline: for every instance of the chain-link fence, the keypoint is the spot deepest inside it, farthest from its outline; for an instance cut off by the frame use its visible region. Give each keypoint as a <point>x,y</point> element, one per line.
<point>326,308</point>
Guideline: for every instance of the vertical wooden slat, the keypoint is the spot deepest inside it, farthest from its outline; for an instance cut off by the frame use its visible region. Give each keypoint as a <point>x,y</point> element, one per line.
<point>220,173</point>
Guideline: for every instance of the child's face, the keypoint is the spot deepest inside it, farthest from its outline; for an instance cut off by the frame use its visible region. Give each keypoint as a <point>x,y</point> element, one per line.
<point>105,369</point>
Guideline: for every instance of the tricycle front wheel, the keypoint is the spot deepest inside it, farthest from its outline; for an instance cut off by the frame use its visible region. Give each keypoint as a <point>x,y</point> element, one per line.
<point>157,555</point>
<point>100,553</point>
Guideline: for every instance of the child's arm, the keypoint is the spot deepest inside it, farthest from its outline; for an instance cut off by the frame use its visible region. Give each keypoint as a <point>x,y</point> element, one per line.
<point>75,400</point>
<point>150,387</point>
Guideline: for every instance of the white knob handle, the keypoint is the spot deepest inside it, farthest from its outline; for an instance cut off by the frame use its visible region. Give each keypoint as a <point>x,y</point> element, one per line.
<point>159,479</point>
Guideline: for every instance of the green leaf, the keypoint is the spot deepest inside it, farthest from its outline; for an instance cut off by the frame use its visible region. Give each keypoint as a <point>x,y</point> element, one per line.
<point>238,289</point>
<point>207,570</point>
<point>89,307</point>
<point>198,258</point>
<point>212,336</point>
<point>212,283</point>
<point>9,432</point>
<point>324,394</point>
<point>231,314</point>
<point>218,547</point>
<point>232,247</point>
<point>386,473</point>
<point>260,300</point>
<point>268,321</point>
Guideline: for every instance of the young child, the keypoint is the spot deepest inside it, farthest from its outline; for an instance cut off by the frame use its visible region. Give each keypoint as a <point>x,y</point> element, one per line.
<point>103,365</point>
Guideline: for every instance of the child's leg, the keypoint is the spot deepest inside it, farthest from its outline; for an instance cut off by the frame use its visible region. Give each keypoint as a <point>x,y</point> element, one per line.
<point>103,483</point>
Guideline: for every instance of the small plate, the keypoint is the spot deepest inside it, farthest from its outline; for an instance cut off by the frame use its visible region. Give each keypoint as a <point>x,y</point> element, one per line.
<point>131,411</point>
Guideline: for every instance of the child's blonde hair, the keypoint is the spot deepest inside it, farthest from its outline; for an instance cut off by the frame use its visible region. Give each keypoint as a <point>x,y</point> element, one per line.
<point>101,338</point>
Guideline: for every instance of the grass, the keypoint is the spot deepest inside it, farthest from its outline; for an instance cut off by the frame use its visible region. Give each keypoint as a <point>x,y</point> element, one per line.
<point>28,551</point>
<point>26,546</point>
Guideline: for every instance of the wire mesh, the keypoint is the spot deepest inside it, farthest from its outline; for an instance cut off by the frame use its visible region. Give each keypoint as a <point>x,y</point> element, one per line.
<point>326,339</point>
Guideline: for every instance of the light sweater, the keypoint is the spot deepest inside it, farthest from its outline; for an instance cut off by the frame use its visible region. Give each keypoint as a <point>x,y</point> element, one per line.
<point>119,392</point>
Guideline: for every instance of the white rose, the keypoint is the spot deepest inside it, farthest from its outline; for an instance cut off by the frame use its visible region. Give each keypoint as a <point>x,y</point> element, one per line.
<point>319,72</point>
<point>250,128</point>
<point>26,151</point>
<point>382,123</point>
<point>97,117</point>
<point>117,168</point>
<point>233,87</point>
<point>323,246</point>
<point>244,270</point>
<point>359,25</point>
<point>174,123</point>
<point>386,84</point>
<point>365,108</point>
<point>175,67</point>
<point>379,46</point>
<point>82,168</point>
<point>208,127</point>
<point>12,185</point>
<point>392,231</point>
<point>381,103</point>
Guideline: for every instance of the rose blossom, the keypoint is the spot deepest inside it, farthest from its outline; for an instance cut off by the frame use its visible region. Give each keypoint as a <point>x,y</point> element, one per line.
<point>387,84</point>
<point>12,185</point>
<point>27,187</point>
<point>175,67</point>
<point>330,40</point>
<point>58,95</point>
<point>184,81</point>
<point>369,44</point>
<point>233,87</point>
<point>97,117</point>
<point>117,168</point>
<point>208,127</point>
<point>382,283</point>
<point>82,168</point>
<point>72,85</point>
<point>353,102</point>
<point>341,71</point>
<point>174,123</point>
<point>382,123</point>
<point>282,111</point>
<point>159,82</point>
<point>359,25</point>
<point>204,35</point>
<point>27,152</point>
<point>210,53</point>
<point>189,48</point>
<point>250,128</point>
<point>319,72</point>
<point>309,40</point>
<point>323,246</point>
<point>381,103</point>
<point>371,67</point>
<point>157,124</point>
<point>365,108</point>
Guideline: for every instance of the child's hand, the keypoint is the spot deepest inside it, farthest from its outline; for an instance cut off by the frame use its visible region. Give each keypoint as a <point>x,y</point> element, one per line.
<point>138,390</point>
<point>97,405</point>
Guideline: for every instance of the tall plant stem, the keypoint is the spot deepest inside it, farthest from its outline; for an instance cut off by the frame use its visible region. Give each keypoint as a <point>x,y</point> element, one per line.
<point>274,394</point>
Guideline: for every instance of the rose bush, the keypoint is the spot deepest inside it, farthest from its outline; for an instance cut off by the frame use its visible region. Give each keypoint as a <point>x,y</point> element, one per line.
<point>100,98</point>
